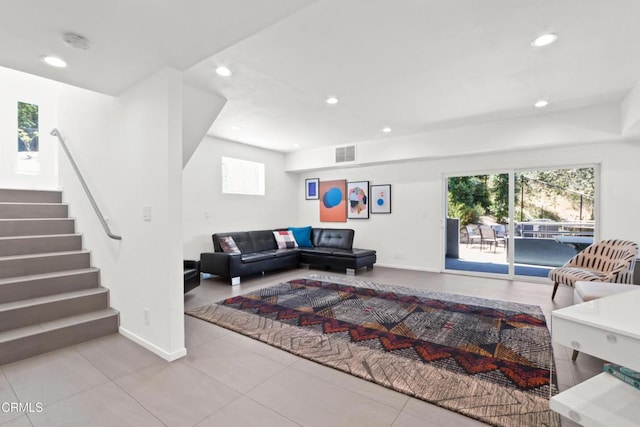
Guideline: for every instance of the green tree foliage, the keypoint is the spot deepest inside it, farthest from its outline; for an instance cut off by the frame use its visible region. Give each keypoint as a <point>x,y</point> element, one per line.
<point>580,181</point>
<point>470,190</point>
<point>537,195</point>
<point>468,198</point>
<point>466,214</point>
<point>500,204</point>
<point>544,191</point>
<point>28,126</point>
<point>27,115</point>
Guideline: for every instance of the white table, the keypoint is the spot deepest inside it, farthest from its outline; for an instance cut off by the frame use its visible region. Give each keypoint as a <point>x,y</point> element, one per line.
<point>608,328</point>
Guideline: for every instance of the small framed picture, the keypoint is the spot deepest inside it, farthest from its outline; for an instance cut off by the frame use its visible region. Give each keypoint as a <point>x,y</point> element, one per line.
<point>380,199</point>
<point>358,200</point>
<point>312,188</point>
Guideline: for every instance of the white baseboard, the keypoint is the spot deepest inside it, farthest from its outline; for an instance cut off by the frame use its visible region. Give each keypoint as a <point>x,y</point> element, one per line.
<point>170,357</point>
<point>408,267</point>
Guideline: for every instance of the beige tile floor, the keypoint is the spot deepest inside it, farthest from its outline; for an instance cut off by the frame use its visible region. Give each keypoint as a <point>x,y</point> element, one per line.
<point>227,379</point>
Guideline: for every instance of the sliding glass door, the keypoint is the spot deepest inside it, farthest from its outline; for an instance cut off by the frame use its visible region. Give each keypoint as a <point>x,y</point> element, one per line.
<point>478,209</point>
<point>520,222</point>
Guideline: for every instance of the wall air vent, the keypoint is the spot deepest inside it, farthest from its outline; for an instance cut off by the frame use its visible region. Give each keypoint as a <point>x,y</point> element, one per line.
<point>346,154</point>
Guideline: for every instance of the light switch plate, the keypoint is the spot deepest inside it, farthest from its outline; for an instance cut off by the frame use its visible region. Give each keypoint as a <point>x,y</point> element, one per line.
<point>146,213</point>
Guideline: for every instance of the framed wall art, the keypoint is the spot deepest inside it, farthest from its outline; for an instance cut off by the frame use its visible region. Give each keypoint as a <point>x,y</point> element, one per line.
<point>380,199</point>
<point>358,200</point>
<point>333,201</point>
<point>312,188</point>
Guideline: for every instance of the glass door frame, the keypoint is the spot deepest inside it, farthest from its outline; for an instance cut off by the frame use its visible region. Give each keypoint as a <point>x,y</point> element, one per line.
<point>511,172</point>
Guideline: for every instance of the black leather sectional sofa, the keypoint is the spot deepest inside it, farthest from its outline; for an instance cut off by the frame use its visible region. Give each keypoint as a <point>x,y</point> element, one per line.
<point>331,248</point>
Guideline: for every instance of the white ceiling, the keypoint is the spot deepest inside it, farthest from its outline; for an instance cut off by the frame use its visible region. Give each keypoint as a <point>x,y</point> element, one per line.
<point>412,65</point>
<point>130,39</point>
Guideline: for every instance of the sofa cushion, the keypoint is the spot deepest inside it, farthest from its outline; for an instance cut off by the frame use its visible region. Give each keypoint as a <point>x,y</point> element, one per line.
<point>285,239</point>
<point>241,238</point>
<point>302,236</point>
<point>228,245</point>
<point>339,238</point>
<point>262,240</point>
<point>352,253</point>
<point>279,253</point>
<point>316,250</point>
<point>257,256</point>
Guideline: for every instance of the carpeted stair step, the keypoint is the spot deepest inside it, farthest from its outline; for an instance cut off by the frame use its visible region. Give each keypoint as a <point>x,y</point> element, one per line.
<point>33,210</point>
<point>36,226</point>
<point>30,196</point>
<point>40,285</point>
<point>32,340</point>
<point>18,314</point>
<point>23,245</point>
<point>26,265</point>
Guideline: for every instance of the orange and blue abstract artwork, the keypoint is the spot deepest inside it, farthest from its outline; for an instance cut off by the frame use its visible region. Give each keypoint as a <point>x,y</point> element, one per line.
<point>333,201</point>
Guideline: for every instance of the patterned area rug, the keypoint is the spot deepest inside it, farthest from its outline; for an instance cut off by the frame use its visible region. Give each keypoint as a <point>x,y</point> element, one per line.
<point>489,360</point>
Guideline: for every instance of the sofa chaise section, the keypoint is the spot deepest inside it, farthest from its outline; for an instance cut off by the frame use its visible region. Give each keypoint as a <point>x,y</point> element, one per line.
<point>333,249</point>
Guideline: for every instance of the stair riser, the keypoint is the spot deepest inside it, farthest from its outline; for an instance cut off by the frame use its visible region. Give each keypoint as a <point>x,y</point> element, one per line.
<point>21,348</point>
<point>45,286</point>
<point>30,196</point>
<point>43,264</point>
<point>34,227</point>
<point>39,245</point>
<point>33,211</point>
<point>26,316</point>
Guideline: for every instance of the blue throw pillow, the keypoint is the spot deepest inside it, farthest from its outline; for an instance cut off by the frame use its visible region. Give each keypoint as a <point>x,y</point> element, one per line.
<point>302,236</point>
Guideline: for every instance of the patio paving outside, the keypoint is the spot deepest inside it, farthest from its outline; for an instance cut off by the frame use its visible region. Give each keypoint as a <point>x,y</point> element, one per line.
<point>485,260</point>
<point>473,253</point>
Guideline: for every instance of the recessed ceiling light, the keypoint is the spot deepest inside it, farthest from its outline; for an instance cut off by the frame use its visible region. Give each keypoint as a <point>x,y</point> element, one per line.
<point>544,40</point>
<point>386,130</point>
<point>296,145</point>
<point>223,71</point>
<point>541,103</point>
<point>236,127</point>
<point>332,100</point>
<point>54,61</point>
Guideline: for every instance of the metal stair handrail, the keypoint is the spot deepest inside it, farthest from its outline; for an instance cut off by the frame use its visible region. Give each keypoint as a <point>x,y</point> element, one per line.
<point>105,226</point>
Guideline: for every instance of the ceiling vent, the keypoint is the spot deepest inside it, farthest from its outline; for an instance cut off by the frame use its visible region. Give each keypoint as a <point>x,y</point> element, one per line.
<point>346,154</point>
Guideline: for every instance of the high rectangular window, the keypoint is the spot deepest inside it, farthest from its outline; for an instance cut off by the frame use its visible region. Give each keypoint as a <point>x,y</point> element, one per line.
<point>28,138</point>
<point>242,177</point>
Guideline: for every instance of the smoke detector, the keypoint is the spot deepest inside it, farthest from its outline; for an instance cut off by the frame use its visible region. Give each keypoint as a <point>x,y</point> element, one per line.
<point>76,41</point>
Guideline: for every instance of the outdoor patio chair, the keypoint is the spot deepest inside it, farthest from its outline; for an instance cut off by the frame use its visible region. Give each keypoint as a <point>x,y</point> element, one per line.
<point>606,261</point>
<point>488,235</point>
<point>500,229</point>
<point>473,234</point>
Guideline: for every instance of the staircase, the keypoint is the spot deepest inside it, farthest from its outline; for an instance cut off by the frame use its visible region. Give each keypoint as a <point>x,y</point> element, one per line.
<point>50,296</point>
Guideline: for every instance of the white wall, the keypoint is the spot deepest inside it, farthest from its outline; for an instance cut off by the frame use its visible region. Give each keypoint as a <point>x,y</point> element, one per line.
<point>601,123</point>
<point>16,86</point>
<point>207,210</point>
<point>630,111</point>
<point>129,149</point>
<point>414,228</point>
<point>199,110</point>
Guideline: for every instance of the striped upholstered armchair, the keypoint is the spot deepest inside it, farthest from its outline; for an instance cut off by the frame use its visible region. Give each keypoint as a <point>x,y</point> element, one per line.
<point>606,261</point>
